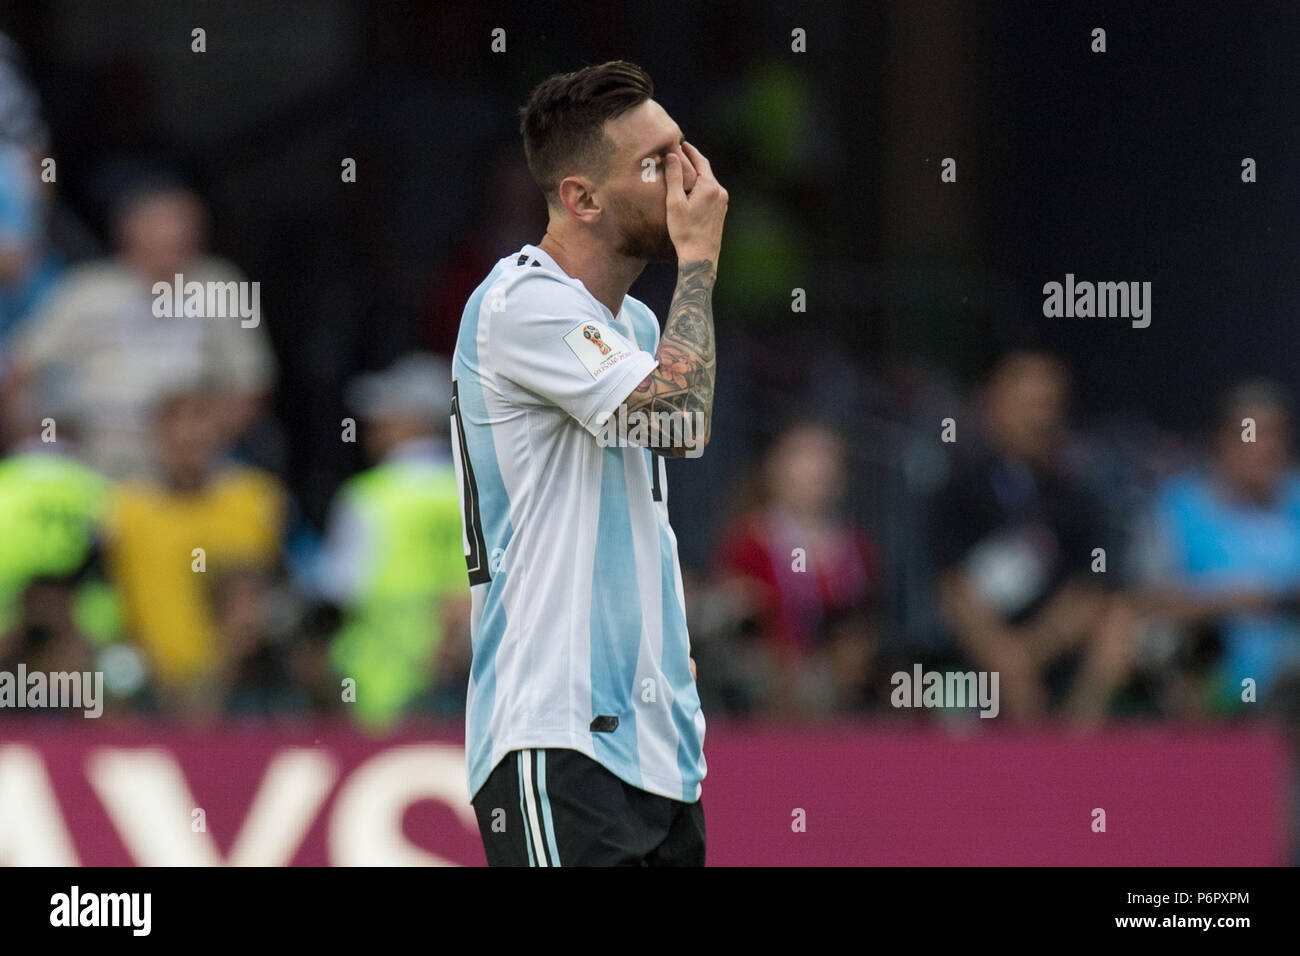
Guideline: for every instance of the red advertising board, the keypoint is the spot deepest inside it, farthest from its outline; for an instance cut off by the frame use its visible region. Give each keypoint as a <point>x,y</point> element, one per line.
<point>95,794</point>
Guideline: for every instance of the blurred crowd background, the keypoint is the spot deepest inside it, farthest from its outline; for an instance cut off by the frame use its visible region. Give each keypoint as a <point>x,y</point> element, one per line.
<point>918,468</point>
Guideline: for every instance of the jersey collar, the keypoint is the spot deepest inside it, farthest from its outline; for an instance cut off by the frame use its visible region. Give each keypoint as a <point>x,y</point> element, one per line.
<point>536,252</point>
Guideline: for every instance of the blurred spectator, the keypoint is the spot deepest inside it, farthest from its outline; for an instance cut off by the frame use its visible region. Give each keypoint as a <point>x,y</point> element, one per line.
<point>202,619</point>
<point>100,319</point>
<point>394,557</point>
<point>806,579</point>
<point>28,266</point>
<point>57,611</point>
<point>46,638</point>
<point>51,505</point>
<point>1220,557</point>
<point>1014,539</point>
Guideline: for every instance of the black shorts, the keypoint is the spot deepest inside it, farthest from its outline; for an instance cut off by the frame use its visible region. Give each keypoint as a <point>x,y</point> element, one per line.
<point>557,807</point>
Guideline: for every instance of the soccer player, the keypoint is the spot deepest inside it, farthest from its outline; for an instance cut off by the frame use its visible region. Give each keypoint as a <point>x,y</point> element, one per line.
<point>584,732</point>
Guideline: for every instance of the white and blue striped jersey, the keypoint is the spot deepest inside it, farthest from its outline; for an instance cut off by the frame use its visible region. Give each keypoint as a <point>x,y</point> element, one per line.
<point>578,622</point>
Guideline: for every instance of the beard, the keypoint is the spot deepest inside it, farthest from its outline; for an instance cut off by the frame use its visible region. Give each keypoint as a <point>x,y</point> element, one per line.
<point>639,238</point>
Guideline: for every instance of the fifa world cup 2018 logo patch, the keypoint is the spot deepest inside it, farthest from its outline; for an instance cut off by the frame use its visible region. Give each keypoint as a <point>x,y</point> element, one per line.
<point>592,335</point>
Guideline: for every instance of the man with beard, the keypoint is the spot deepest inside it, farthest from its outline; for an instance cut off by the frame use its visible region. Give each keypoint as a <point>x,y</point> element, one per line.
<point>584,734</point>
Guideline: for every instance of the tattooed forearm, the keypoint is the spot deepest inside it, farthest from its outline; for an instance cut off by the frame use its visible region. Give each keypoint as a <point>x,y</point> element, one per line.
<point>677,397</point>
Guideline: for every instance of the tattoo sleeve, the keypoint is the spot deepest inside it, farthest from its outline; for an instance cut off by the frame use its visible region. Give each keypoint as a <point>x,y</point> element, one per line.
<point>676,399</point>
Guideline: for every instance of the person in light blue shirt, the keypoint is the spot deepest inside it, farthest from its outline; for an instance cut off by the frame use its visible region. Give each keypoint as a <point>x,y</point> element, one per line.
<point>584,731</point>
<point>1222,548</point>
<point>28,265</point>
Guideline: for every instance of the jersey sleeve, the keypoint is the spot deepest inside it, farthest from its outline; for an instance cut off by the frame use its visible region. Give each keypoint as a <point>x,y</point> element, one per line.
<point>553,342</point>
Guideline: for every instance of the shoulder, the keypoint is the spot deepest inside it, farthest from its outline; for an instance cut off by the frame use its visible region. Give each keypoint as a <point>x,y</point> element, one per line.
<point>1182,490</point>
<point>215,269</point>
<point>136,495</point>
<point>249,483</point>
<point>519,301</point>
<point>41,473</point>
<point>93,280</point>
<point>541,286</point>
<point>1183,498</point>
<point>96,272</point>
<point>533,312</point>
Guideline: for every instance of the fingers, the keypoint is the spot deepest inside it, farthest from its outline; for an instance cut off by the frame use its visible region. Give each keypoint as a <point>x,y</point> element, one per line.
<point>697,159</point>
<point>673,177</point>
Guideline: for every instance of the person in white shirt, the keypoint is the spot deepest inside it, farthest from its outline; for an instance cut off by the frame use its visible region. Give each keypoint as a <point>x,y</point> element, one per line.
<point>101,321</point>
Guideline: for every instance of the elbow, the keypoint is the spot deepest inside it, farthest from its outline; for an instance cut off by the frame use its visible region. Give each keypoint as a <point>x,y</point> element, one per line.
<point>681,446</point>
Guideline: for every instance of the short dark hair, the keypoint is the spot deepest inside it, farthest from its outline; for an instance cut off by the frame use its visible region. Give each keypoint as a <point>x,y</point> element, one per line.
<point>563,121</point>
<point>1242,398</point>
<point>1009,365</point>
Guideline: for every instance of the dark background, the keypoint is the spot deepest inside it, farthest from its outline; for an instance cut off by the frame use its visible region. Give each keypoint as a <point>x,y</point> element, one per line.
<point>1115,166</point>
